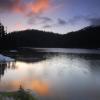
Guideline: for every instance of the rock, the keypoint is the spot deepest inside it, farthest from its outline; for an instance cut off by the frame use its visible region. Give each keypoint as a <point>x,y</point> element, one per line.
<point>5,59</point>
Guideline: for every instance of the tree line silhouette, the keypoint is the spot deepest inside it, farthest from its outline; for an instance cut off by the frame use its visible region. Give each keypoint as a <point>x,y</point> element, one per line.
<point>88,37</point>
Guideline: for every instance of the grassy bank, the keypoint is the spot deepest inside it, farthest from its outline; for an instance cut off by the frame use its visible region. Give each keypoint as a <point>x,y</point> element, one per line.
<point>21,94</point>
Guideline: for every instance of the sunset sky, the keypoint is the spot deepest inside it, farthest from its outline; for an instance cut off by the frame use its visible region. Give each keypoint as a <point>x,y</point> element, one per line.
<point>59,16</point>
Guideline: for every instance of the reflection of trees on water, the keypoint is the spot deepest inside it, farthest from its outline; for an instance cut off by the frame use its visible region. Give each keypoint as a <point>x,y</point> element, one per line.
<point>5,66</point>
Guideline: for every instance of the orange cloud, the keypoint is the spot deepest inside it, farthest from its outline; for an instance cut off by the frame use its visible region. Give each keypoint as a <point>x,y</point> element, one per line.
<point>28,8</point>
<point>32,7</point>
<point>39,6</point>
<point>18,7</point>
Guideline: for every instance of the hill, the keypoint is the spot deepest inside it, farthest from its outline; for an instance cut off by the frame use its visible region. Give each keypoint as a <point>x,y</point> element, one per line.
<point>88,37</point>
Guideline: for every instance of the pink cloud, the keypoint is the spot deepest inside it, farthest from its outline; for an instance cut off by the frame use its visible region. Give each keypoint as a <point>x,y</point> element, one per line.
<point>31,8</point>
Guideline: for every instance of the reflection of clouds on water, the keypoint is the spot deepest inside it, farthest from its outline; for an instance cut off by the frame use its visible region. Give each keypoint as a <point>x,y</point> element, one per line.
<point>41,88</point>
<point>60,76</point>
<point>68,75</point>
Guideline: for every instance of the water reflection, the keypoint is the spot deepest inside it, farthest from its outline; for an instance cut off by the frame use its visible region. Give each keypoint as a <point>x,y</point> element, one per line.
<point>5,66</point>
<point>59,77</point>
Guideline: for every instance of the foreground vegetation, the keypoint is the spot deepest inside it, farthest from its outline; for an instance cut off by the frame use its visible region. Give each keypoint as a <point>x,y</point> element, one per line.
<point>21,94</point>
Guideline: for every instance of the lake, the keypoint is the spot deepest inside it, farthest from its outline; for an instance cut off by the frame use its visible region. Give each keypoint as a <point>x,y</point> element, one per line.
<point>66,75</point>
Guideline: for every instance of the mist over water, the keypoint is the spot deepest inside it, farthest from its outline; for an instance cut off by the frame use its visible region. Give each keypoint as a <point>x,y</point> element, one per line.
<point>58,77</point>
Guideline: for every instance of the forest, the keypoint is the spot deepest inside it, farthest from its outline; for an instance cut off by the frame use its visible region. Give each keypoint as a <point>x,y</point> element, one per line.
<point>88,37</point>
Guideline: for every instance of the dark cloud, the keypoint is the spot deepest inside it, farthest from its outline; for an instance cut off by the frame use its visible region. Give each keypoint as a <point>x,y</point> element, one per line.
<point>73,21</point>
<point>61,22</point>
<point>6,5</point>
<point>90,20</point>
<point>58,23</point>
<point>45,19</point>
<point>94,21</point>
<point>39,20</point>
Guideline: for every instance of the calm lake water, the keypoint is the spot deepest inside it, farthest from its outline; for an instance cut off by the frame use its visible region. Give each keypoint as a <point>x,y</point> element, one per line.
<point>54,76</point>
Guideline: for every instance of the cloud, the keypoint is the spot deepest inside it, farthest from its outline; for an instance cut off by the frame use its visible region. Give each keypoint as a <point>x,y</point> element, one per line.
<point>39,6</point>
<point>39,20</point>
<point>7,5</point>
<point>74,21</point>
<point>61,22</point>
<point>94,21</point>
<point>20,6</point>
<point>46,19</point>
<point>33,11</point>
<point>29,8</point>
<point>13,6</point>
<point>47,26</point>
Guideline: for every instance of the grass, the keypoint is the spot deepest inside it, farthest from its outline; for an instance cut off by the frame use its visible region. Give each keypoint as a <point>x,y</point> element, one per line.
<point>18,95</point>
